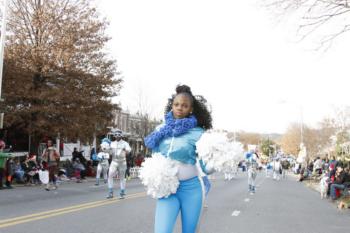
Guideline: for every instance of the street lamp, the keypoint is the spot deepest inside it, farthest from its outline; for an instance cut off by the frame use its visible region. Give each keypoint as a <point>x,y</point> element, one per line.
<point>2,47</point>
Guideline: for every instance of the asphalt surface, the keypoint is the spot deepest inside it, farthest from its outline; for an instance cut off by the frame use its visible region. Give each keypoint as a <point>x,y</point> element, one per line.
<point>285,206</point>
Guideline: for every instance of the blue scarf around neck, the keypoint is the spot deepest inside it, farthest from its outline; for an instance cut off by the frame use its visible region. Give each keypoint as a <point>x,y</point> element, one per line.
<point>172,128</point>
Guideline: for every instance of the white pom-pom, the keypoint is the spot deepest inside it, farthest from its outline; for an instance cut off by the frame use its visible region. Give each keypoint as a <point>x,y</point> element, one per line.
<point>217,152</point>
<point>159,175</point>
<point>234,154</point>
<point>212,148</point>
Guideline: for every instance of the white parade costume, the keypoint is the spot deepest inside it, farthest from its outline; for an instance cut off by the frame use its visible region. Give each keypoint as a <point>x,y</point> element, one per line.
<point>276,170</point>
<point>103,164</point>
<point>252,163</point>
<point>231,171</point>
<point>119,149</point>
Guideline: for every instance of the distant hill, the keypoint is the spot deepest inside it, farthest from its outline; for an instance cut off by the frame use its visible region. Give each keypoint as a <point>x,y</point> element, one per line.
<point>254,138</point>
<point>273,136</point>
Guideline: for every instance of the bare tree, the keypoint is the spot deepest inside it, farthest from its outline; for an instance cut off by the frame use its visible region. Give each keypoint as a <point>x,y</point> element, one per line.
<point>292,138</point>
<point>247,138</point>
<point>327,129</point>
<point>342,118</point>
<point>145,111</point>
<point>142,102</point>
<point>332,16</point>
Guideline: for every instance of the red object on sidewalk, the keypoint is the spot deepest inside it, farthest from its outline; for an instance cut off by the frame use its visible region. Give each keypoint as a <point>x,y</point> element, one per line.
<point>77,174</point>
<point>337,193</point>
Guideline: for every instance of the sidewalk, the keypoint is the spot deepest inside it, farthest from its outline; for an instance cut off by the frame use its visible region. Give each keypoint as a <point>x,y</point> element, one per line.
<point>59,182</point>
<point>341,202</point>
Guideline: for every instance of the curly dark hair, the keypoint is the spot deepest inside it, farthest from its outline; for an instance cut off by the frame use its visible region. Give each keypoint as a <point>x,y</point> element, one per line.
<point>199,104</point>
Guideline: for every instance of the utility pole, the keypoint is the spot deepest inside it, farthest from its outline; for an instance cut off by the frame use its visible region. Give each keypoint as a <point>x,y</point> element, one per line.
<point>2,47</point>
<point>301,125</point>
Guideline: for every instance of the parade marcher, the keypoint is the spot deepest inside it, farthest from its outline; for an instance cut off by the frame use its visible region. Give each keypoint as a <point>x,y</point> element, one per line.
<point>119,149</point>
<point>252,165</point>
<point>51,157</point>
<point>186,118</point>
<point>285,167</point>
<point>93,157</point>
<point>268,169</point>
<point>102,158</point>
<point>277,169</point>
<point>230,172</point>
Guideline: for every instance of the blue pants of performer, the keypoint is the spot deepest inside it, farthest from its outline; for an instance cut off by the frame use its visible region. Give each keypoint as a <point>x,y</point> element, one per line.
<point>188,200</point>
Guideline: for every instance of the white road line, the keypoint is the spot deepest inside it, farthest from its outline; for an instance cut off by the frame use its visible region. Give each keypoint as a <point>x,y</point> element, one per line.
<point>246,200</point>
<point>261,182</point>
<point>97,186</point>
<point>235,213</point>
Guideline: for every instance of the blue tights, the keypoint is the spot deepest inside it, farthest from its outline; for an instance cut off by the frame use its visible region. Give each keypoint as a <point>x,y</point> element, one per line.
<point>188,199</point>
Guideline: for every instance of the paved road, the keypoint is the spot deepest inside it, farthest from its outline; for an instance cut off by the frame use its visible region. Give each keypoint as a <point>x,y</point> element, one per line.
<point>283,207</point>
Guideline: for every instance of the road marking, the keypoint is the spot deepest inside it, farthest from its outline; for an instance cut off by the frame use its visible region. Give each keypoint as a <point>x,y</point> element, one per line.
<point>56,212</point>
<point>235,213</point>
<point>97,186</point>
<point>261,182</point>
<point>246,200</point>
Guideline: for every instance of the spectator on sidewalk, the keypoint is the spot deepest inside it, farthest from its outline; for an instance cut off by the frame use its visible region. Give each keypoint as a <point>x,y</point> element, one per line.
<point>90,171</point>
<point>78,154</point>
<point>325,164</point>
<point>139,160</point>
<point>317,167</point>
<point>333,161</point>
<point>310,167</point>
<point>9,173</point>
<point>18,171</point>
<point>80,170</point>
<point>331,175</point>
<point>3,159</point>
<point>2,145</point>
<point>31,169</point>
<point>341,177</point>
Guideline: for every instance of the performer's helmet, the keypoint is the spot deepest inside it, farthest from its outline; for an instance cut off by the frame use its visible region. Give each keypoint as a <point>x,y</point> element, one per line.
<point>119,133</point>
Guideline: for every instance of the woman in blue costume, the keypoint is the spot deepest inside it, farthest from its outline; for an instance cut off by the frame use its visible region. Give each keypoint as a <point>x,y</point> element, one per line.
<point>186,118</point>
